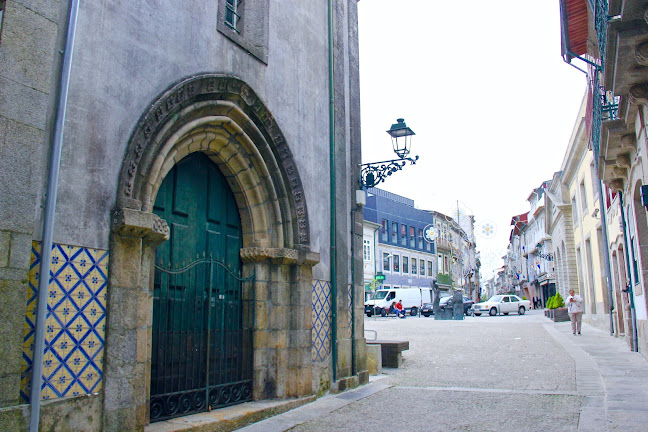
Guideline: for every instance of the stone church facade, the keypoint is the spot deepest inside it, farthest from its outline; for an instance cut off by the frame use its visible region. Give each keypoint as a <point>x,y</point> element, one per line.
<point>221,135</point>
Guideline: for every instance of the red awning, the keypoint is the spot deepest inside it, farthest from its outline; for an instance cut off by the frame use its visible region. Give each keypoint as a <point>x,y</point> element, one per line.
<point>520,218</point>
<point>518,221</point>
<point>573,28</point>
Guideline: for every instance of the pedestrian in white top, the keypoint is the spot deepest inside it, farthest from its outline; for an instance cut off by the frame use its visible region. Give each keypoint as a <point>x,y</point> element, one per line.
<point>575,311</point>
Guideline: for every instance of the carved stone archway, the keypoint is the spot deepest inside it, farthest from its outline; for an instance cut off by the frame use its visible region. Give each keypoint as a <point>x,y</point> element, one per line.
<point>222,117</point>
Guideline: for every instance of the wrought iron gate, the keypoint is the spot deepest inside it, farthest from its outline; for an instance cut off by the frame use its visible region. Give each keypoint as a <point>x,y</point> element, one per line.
<point>203,320</point>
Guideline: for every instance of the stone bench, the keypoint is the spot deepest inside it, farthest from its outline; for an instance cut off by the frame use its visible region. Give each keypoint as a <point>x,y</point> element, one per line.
<point>391,352</point>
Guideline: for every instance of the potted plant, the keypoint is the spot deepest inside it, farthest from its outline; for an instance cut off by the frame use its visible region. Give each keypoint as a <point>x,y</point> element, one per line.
<point>558,311</point>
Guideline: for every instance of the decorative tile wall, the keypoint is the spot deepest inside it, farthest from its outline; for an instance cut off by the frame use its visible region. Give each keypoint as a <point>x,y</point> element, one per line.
<point>75,325</point>
<point>321,320</point>
<point>350,308</point>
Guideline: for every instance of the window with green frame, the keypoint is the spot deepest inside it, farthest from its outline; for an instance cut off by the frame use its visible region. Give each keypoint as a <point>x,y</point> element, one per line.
<point>232,14</point>
<point>246,24</point>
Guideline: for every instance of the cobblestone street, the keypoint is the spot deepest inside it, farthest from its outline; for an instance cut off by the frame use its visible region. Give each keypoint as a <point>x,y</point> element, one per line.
<point>505,373</point>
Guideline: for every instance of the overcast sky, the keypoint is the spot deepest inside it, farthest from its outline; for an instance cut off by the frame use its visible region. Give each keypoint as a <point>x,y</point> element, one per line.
<point>483,86</point>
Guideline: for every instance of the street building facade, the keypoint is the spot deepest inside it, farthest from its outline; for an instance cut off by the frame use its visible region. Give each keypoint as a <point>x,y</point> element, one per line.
<point>415,247</point>
<point>529,263</point>
<point>404,257</point>
<point>608,40</point>
<point>560,227</point>
<point>370,257</point>
<point>515,264</point>
<point>536,248</point>
<point>174,188</point>
<point>580,178</point>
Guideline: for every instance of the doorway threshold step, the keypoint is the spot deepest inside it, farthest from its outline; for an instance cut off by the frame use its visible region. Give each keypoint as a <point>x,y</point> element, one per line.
<point>229,418</point>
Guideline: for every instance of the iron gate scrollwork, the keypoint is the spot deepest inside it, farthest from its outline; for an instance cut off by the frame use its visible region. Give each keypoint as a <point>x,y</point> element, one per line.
<point>203,321</point>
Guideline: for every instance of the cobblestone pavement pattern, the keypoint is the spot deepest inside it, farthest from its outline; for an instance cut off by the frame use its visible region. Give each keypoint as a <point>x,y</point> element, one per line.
<point>506,373</point>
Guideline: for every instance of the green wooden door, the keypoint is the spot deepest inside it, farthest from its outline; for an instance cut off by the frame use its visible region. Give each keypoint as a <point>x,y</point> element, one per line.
<point>196,307</point>
<point>199,207</point>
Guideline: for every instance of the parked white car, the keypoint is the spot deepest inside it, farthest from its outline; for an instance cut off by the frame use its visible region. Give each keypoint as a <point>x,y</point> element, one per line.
<point>502,304</point>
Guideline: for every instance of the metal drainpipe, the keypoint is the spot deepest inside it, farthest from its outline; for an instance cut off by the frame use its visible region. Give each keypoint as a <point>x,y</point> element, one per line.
<point>332,195</point>
<point>606,255</point>
<point>633,315</point>
<point>353,349</point>
<point>48,219</point>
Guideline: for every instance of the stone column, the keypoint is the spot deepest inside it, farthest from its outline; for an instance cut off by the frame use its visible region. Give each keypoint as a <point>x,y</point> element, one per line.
<point>283,321</point>
<point>127,366</point>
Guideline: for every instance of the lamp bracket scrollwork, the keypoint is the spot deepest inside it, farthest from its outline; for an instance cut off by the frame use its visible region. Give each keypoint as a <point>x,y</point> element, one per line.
<point>371,174</point>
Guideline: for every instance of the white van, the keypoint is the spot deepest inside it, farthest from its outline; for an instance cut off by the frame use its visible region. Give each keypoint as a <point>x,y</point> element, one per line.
<point>413,299</point>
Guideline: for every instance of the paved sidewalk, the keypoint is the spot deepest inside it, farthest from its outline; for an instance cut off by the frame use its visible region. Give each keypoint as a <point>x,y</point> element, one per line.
<point>613,380</point>
<point>489,374</point>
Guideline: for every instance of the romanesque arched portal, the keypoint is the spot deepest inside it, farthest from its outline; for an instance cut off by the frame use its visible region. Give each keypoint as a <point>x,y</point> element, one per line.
<point>223,118</point>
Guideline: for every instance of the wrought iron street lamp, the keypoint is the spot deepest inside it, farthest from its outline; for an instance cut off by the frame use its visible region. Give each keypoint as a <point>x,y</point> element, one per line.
<point>374,173</point>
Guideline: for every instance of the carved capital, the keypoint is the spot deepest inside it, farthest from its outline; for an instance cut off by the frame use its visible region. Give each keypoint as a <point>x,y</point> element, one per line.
<point>276,255</point>
<point>641,53</point>
<point>279,256</point>
<point>308,259</point>
<point>160,231</point>
<point>134,223</point>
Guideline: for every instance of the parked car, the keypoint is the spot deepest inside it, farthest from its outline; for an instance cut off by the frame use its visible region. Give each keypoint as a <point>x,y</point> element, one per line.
<point>446,302</point>
<point>502,304</point>
<point>427,309</point>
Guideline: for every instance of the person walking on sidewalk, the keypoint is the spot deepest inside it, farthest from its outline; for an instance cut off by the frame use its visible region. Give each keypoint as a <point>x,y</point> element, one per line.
<point>575,311</point>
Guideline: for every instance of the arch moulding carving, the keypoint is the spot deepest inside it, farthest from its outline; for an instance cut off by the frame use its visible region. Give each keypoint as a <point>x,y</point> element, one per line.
<point>225,96</point>
<point>222,117</point>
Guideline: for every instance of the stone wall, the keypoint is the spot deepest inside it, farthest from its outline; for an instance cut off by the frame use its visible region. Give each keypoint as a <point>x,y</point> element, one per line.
<point>126,59</point>
<point>27,66</point>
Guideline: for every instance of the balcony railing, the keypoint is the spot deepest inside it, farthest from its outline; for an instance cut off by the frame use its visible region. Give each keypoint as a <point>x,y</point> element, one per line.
<point>604,107</point>
<point>600,25</point>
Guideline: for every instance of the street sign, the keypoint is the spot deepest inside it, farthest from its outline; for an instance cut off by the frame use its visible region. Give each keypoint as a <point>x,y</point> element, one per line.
<point>380,276</point>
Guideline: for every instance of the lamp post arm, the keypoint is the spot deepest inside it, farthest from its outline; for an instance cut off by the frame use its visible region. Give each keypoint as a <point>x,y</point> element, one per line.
<point>373,173</point>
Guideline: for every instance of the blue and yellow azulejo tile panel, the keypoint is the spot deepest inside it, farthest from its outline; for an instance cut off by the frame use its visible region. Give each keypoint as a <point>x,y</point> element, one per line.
<point>75,325</point>
<point>350,307</point>
<point>321,320</point>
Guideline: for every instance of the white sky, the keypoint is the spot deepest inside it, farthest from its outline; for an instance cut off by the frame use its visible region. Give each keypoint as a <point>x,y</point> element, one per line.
<point>483,86</point>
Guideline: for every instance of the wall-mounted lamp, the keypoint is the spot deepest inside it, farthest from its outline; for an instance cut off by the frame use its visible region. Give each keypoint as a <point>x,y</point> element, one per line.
<point>374,173</point>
